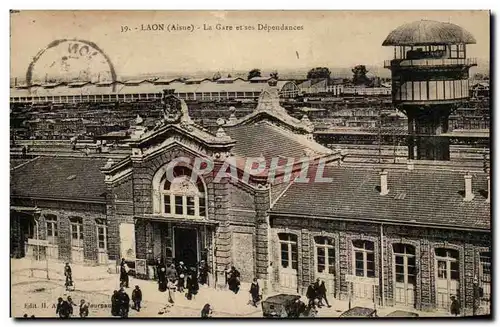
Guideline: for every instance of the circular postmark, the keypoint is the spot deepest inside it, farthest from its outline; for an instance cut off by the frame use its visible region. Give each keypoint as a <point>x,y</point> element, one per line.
<point>69,60</point>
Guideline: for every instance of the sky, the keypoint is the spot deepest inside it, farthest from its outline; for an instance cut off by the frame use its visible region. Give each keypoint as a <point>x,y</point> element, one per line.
<point>325,38</point>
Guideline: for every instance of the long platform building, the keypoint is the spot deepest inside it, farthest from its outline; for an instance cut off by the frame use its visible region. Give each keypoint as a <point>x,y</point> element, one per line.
<point>430,79</point>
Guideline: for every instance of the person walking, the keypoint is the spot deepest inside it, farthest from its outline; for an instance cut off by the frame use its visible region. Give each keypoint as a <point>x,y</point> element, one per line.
<point>192,284</point>
<point>124,280</point>
<point>311,295</point>
<point>124,301</point>
<point>71,304</point>
<point>234,280</point>
<point>58,307</point>
<point>115,304</point>
<point>69,276</point>
<point>137,298</point>
<point>181,272</point>
<point>206,312</point>
<point>455,306</point>
<point>255,292</point>
<point>203,272</point>
<point>161,272</point>
<point>322,294</point>
<point>171,276</point>
<point>84,309</point>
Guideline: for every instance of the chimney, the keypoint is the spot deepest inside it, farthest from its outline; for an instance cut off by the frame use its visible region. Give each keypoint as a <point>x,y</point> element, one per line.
<point>489,189</point>
<point>468,187</point>
<point>384,190</point>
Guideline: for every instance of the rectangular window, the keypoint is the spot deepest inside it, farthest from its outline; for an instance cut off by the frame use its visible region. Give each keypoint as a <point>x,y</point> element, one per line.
<point>201,206</point>
<point>190,206</point>
<point>77,233</point>
<point>321,259</point>
<point>284,255</point>
<point>166,201</point>
<point>102,237</point>
<point>294,256</point>
<point>360,264</point>
<point>331,261</point>
<point>178,205</point>
<point>51,223</point>
<point>453,51</point>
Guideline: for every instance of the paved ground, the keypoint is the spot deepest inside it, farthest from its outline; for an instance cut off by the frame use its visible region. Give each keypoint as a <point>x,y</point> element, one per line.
<point>33,294</point>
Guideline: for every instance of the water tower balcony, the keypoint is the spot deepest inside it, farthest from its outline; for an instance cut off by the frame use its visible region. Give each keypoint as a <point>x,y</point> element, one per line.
<point>430,63</point>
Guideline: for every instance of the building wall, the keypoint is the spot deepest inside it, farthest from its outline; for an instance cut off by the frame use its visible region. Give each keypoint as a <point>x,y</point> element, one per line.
<point>425,241</point>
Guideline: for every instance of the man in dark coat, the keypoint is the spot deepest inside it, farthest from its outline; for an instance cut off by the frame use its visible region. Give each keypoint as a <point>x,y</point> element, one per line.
<point>234,280</point>
<point>311,295</point>
<point>181,272</point>
<point>115,304</point>
<point>192,284</point>
<point>161,272</point>
<point>68,275</point>
<point>255,292</point>
<point>203,272</point>
<point>84,309</point>
<point>59,307</point>
<point>455,306</point>
<point>322,294</point>
<point>137,298</point>
<point>206,312</point>
<point>123,273</point>
<point>124,303</point>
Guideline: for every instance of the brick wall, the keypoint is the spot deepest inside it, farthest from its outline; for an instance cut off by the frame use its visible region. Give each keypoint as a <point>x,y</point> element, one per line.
<point>424,240</point>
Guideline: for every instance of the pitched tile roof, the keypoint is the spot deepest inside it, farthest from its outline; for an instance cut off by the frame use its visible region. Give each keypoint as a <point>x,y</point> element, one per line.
<point>60,178</point>
<point>264,138</point>
<point>416,197</point>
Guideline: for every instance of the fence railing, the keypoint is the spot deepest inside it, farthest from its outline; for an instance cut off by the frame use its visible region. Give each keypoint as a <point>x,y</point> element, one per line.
<point>430,62</point>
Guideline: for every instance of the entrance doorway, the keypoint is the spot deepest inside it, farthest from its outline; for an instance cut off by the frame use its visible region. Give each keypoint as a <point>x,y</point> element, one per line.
<point>186,246</point>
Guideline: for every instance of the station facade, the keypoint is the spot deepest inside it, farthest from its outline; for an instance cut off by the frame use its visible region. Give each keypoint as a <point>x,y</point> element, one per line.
<point>403,237</point>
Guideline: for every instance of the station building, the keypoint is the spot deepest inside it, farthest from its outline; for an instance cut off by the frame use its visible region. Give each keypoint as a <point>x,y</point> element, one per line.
<point>404,236</point>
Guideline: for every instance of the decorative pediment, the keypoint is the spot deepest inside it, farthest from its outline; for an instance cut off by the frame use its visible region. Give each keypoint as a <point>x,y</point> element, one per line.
<point>269,108</point>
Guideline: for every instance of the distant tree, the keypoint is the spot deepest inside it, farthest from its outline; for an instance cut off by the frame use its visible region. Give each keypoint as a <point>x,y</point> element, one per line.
<point>216,76</point>
<point>254,73</point>
<point>229,76</point>
<point>274,74</point>
<point>319,73</point>
<point>359,75</point>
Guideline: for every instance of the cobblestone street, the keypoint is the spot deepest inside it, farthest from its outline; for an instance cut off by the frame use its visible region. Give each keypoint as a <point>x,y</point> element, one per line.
<point>35,295</point>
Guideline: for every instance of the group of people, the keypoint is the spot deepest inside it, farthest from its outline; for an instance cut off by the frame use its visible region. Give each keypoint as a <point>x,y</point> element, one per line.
<point>64,308</point>
<point>181,278</point>
<point>316,294</point>
<point>120,302</point>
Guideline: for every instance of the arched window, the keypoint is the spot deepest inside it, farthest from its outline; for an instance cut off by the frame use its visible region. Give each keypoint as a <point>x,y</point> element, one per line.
<point>181,197</point>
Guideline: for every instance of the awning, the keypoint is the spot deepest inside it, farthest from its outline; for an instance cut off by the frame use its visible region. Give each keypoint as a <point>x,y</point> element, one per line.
<point>184,221</point>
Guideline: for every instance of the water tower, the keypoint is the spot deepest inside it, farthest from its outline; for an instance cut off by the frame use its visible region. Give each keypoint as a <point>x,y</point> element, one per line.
<point>430,73</point>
